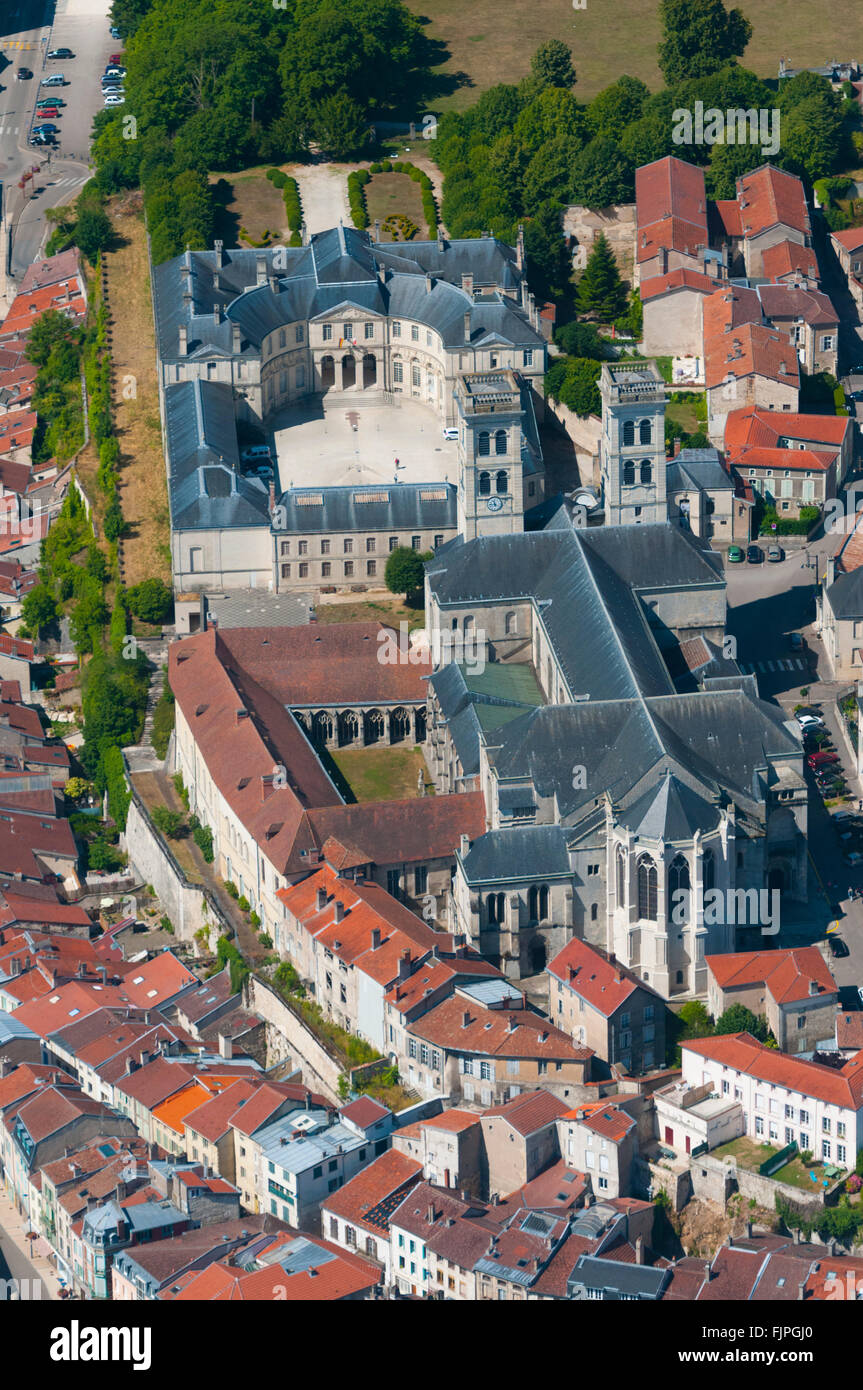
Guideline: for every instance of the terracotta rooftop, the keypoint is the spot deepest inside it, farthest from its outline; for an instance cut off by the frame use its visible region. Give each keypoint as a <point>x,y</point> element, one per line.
<point>741,1051</point>
<point>529,1112</point>
<point>790,976</point>
<point>769,197</point>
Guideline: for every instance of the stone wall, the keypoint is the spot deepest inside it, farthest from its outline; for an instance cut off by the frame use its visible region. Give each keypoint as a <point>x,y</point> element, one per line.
<point>289,1036</point>
<point>617,224</point>
<point>714,1181</point>
<point>188,905</point>
<point>584,431</point>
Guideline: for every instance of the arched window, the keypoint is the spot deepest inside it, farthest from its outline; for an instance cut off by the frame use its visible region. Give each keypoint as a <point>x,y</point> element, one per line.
<point>511,624</point>
<point>646,471</point>
<point>629,473</point>
<point>628,432</point>
<point>542,904</point>
<point>678,882</point>
<point>647,888</point>
<point>500,441</point>
<point>500,482</point>
<point>483,442</point>
<point>621,876</point>
<point>594,911</point>
<point>644,432</point>
<point>484,484</point>
<point>533,903</point>
<point>708,871</point>
<point>495,908</point>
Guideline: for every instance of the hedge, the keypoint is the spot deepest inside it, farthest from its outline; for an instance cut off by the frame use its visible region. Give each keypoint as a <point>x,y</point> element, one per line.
<point>360,177</point>
<point>293,206</point>
<point>356,198</point>
<point>277,178</point>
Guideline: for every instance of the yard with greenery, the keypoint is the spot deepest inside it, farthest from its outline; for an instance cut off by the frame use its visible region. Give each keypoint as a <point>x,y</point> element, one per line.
<point>382,774</point>
<point>388,194</point>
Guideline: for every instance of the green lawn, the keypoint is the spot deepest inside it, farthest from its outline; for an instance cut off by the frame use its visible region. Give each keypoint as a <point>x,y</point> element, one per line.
<point>392,611</point>
<point>382,774</point>
<point>751,1155</point>
<point>489,42</point>
<point>388,193</point>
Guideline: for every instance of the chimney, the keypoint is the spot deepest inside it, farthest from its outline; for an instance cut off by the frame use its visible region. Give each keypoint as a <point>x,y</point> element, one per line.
<point>376,938</point>
<point>494,1198</point>
<point>226,1046</point>
<point>465,1196</point>
<point>340,910</point>
<point>217,313</point>
<point>187,298</point>
<point>274,283</point>
<point>639,1250</point>
<point>404,965</point>
<point>467,283</point>
<point>236,338</point>
<point>184,340</point>
<point>219,247</point>
<point>801,1291</point>
<point>677,443</point>
<point>377,229</point>
<point>145,1056</point>
<point>82,969</point>
<point>321,899</point>
<point>260,270</point>
<point>467,328</point>
<point>304,233</point>
<point>120,1191</point>
<point>465,1019</point>
<point>519,247</point>
<point>103,971</point>
<point>441,244</point>
<point>429,282</point>
<point>464,845</point>
<point>430,1214</point>
<point>708,1272</point>
<point>748,1229</point>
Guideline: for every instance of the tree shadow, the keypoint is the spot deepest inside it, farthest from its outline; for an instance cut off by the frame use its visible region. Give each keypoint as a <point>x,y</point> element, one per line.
<point>226,221</point>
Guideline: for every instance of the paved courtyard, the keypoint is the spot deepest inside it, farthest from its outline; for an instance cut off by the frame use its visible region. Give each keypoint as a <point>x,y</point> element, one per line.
<point>348,445</point>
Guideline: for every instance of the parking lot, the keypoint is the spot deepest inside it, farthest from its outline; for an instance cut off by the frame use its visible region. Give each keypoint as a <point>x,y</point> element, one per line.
<point>83,27</point>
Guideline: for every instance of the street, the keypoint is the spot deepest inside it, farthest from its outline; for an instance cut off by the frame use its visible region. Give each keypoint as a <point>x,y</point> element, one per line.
<point>28,30</point>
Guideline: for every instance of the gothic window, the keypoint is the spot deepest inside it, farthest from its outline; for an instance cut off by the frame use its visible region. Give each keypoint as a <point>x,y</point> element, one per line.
<point>500,442</point>
<point>646,471</point>
<point>484,484</point>
<point>496,908</point>
<point>628,432</point>
<point>629,473</point>
<point>647,888</point>
<point>537,902</point>
<point>500,483</point>
<point>621,876</point>
<point>678,873</point>
<point>483,442</point>
<point>511,624</point>
<point>644,432</point>
<point>709,871</point>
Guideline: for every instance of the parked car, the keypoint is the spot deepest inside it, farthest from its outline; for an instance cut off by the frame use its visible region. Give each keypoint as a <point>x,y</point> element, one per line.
<point>754,554</point>
<point>61,53</point>
<point>795,641</point>
<point>116,58</point>
<point>114,71</point>
<point>775,553</point>
<point>42,140</point>
<point>50,101</point>
<point>55,80</point>
<point>47,111</point>
<point>822,759</point>
<point>115,99</point>
<point>810,721</point>
<point>255,453</point>
<point>45,129</point>
<point>837,946</point>
<point>735,555</point>
<point>115,32</point>
<point>111,83</point>
<point>450,432</point>
<point>23,75</point>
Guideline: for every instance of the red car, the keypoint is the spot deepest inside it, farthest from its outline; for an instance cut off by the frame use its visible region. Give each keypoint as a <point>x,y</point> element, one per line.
<point>48,112</point>
<point>116,58</point>
<point>819,760</point>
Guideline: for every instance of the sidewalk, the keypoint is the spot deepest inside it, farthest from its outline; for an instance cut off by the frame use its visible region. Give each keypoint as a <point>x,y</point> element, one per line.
<point>15,1228</point>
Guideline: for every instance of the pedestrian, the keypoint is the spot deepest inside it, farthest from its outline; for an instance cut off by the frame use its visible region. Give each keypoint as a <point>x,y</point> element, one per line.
<point>851,894</point>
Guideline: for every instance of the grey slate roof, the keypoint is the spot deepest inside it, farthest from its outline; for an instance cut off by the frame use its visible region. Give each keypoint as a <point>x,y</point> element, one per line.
<point>617,1279</point>
<point>670,811</point>
<point>256,608</point>
<point>339,266</point>
<point>846,595</point>
<point>697,468</point>
<point>420,506</point>
<point>206,488</point>
<point>531,851</point>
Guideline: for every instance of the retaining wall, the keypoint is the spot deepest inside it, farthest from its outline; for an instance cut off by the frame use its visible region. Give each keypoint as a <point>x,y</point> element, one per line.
<point>288,1036</point>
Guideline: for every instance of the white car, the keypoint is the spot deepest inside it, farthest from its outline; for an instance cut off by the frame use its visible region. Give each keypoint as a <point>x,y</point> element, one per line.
<point>809,721</point>
<point>114,99</point>
<point>450,432</point>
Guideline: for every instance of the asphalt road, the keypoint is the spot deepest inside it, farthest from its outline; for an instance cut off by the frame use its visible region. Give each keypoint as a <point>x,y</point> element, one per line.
<point>28,31</point>
<point>14,1265</point>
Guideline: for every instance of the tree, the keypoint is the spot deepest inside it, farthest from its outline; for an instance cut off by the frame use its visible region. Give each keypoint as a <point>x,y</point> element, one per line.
<point>93,233</point>
<point>76,788</point>
<point>551,64</point>
<point>618,106</point>
<point>573,382</point>
<point>739,1019</point>
<point>581,340</point>
<point>169,822</point>
<point>114,522</point>
<point>600,291</point>
<point>51,330</point>
<point>38,608</point>
<point>695,1020</point>
<point>151,600</point>
<point>699,37</point>
<point>340,125</point>
<point>603,174</point>
<point>404,571</point>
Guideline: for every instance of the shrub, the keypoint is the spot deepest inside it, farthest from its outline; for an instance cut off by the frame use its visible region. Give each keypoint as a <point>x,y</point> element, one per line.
<point>166,924</point>
<point>203,837</point>
<point>254,919</point>
<point>277,178</point>
<point>293,207</point>
<point>180,789</point>
<point>152,601</point>
<point>169,822</point>
<point>243,903</point>
<point>231,889</point>
<point>163,721</point>
<point>265,940</point>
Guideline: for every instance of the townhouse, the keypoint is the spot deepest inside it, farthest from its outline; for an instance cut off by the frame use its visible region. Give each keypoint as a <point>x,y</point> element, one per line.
<point>606,1007</point>
<point>270,1102</point>
<point>600,1139</point>
<point>746,363</point>
<point>140,1275</point>
<point>448,1147</point>
<point>357,1216</point>
<point>791,460</point>
<point>783,1099</point>
<point>295,1268</point>
<point>848,246</point>
<point>520,1139</point>
<point>792,989</point>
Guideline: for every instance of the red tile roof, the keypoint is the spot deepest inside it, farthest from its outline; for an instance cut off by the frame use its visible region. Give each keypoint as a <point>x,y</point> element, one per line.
<point>849,1030</point>
<point>787,258</point>
<point>604,1119</point>
<point>727,211</point>
<point>495,1032</point>
<point>843,1087</point>
<point>212,1119</point>
<point>769,197</point>
<point>368,1199</point>
<point>597,978</point>
<point>737,344</point>
<point>788,975</point>
<point>794,302</point>
<point>754,428</point>
<point>529,1112</point>
<point>453,1121</point>
<point>680,279</point>
<point>157,980</point>
<point>364,1112</point>
<point>671,207</point>
<point>52,270</point>
<point>325,664</point>
<point>851,239</point>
